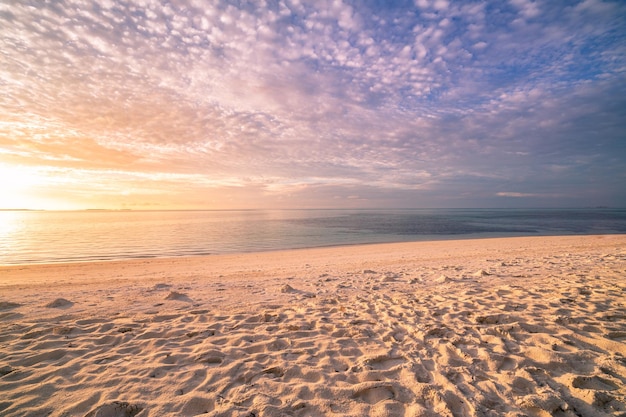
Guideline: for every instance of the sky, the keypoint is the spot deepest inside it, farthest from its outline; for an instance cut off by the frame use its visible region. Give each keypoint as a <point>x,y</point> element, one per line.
<point>211,104</point>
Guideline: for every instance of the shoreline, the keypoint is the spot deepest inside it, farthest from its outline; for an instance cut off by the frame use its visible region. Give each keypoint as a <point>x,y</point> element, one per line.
<point>201,258</point>
<point>422,239</point>
<point>523,326</point>
<point>95,236</point>
<point>428,238</point>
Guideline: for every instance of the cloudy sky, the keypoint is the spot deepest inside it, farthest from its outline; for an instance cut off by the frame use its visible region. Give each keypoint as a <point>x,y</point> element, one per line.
<point>302,104</point>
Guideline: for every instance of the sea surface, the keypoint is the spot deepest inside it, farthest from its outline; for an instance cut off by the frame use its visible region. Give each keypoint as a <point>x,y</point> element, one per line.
<point>77,236</point>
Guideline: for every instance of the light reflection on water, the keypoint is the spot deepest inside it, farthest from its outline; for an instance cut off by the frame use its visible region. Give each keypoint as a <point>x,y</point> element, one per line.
<point>10,223</point>
<point>36,237</point>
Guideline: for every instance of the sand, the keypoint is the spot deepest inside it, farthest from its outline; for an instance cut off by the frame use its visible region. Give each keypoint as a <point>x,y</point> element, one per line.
<point>490,327</point>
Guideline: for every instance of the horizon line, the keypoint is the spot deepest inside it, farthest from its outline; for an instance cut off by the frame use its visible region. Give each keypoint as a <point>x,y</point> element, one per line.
<point>323,208</point>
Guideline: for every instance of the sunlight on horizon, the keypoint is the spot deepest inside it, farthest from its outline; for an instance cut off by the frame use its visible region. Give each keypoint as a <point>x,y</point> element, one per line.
<point>59,189</point>
<point>21,189</point>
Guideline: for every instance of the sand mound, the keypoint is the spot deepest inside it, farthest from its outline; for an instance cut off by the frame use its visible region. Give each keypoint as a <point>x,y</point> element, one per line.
<point>161,286</point>
<point>60,303</point>
<point>287,289</point>
<point>174,295</point>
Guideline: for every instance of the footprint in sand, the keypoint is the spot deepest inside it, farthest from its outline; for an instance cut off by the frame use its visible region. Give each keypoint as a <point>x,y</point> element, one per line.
<point>115,409</point>
<point>212,357</point>
<point>383,362</point>
<point>198,406</point>
<point>616,335</point>
<point>6,370</point>
<point>373,393</point>
<point>507,364</point>
<point>495,319</point>
<point>7,305</point>
<point>594,383</point>
<point>274,371</point>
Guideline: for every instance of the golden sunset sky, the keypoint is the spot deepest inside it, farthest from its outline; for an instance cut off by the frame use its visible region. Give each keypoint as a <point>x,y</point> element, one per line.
<point>192,104</point>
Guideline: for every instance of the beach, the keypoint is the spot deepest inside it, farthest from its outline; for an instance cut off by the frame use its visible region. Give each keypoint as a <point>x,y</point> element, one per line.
<point>530,326</point>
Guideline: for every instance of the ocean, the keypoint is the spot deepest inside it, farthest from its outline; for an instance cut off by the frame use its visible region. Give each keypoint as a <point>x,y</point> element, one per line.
<point>79,236</point>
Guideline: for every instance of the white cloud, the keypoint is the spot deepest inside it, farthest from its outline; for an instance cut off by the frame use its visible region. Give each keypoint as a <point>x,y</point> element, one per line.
<point>596,6</point>
<point>515,194</point>
<point>441,4</point>
<point>480,45</point>
<point>528,8</point>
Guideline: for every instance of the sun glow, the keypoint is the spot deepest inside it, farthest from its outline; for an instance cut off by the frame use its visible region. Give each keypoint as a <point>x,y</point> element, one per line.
<point>20,186</point>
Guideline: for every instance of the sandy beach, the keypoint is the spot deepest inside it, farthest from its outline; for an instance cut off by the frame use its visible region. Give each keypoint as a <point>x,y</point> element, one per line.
<point>492,327</point>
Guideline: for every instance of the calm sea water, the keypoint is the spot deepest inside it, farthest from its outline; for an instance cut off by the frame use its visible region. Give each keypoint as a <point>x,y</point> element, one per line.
<point>45,237</point>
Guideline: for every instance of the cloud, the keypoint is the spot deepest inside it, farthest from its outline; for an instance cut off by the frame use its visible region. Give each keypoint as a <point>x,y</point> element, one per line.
<point>527,8</point>
<point>414,98</point>
<point>515,195</point>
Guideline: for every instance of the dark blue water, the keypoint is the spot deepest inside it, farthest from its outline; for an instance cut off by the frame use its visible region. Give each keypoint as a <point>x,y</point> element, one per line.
<point>442,223</point>
<point>36,237</point>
